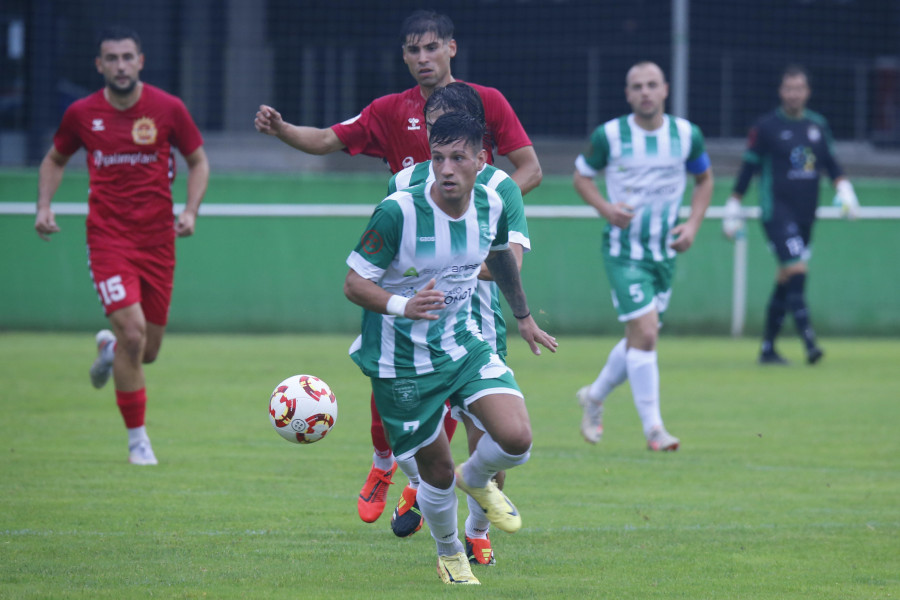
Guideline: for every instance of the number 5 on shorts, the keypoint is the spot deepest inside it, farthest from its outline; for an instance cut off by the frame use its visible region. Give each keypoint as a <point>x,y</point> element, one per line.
<point>636,293</point>
<point>111,290</point>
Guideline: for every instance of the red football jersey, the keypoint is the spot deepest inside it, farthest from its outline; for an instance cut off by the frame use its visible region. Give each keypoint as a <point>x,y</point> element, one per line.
<point>392,127</point>
<point>130,162</point>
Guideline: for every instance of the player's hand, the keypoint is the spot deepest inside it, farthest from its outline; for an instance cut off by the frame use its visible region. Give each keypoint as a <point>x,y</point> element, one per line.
<point>534,335</point>
<point>424,302</point>
<point>268,120</point>
<point>619,215</point>
<point>683,236</point>
<point>733,222</point>
<point>185,223</point>
<point>45,223</point>
<point>846,199</point>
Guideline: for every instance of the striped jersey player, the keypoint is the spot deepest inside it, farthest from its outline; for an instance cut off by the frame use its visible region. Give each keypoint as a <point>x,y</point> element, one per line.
<point>646,171</point>
<point>414,272</point>
<point>486,308</point>
<point>410,241</point>
<point>646,156</point>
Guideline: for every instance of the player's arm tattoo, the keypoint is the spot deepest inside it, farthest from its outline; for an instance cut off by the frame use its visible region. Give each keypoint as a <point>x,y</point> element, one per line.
<point>503,268</point>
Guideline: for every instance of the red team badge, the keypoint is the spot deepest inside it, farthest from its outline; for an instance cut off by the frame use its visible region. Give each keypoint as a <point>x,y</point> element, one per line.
<point>371,242</point>
<point>143,132</point>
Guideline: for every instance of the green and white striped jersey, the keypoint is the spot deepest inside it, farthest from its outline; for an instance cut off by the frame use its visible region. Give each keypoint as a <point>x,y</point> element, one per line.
<point>647,171</point>
<point>409,241</point>
<point>486,308</point>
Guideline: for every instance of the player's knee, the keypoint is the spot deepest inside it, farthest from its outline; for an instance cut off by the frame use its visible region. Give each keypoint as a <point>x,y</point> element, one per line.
<point>518,441</point>
<point>130,340</point>
<point>150,355</point>
<point>644,338</point>
<point>438,473</point>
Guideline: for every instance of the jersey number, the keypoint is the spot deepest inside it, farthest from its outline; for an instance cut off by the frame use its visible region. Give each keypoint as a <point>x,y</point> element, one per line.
<point>111,290</point>
<point>410,426</point>
<point>635,291</point>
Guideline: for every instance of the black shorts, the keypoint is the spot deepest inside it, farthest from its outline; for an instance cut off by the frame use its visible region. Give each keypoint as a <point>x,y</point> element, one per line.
<point>789,240</point>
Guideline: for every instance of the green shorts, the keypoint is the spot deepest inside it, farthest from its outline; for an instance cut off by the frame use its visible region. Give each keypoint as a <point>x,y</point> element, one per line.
<point>639,286</point>
<point>412,408</point>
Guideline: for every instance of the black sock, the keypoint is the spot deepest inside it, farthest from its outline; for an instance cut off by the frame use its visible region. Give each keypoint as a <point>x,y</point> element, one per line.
<point>774,317</point>
<point>796,303</point>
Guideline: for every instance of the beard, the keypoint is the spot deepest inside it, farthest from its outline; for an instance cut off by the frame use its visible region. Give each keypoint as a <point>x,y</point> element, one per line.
<point>121,91</point>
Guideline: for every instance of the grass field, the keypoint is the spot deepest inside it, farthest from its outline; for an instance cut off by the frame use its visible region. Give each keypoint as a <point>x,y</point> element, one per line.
<point>786,486</point>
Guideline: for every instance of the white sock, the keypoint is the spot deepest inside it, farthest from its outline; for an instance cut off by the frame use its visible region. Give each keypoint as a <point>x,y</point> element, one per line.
<point>411,469</point>
<point>439,509</point>
<point>643,375</point>
<point>384,463</point>
<point>487,459</point>
<point>477,523</point>
<point>614,373</point>
<point>137,434</point>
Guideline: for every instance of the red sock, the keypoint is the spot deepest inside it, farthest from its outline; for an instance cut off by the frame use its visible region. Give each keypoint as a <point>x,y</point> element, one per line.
<point>132,405</point>
<point>379,440</point>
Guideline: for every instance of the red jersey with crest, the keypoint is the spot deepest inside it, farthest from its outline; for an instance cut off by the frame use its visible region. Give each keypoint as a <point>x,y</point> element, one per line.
<point>392,127</point>
<point>130,162</point>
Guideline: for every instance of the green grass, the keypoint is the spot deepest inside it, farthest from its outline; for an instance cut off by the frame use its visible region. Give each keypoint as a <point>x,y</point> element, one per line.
<point>786,486</point>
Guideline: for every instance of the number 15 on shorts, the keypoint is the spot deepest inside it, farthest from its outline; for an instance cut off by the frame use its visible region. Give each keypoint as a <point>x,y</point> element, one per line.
<point>111,290</point>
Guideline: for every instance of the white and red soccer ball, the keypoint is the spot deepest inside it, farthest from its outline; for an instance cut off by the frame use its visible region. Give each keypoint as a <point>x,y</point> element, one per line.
<point>303,409</point>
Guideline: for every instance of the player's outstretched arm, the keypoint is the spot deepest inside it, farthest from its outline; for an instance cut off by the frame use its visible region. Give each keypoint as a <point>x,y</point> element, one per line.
<point>372,297</point>
<point>311,140</point>
<point>503,267</point>
<point>49,177</point>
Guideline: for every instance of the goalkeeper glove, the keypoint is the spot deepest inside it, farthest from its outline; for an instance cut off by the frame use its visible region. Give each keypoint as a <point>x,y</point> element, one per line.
<point>846,199</point>
<point>733,221</point>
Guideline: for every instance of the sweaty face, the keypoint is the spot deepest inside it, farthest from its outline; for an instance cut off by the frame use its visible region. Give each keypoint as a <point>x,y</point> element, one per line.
<point>646,90</point>
<point>428,58</point>
<point>120,62</point>
<point>455,166</point>
<point>794,93</point>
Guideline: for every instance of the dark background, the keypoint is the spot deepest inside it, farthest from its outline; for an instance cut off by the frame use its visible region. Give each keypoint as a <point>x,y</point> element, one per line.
<point>560,63</point>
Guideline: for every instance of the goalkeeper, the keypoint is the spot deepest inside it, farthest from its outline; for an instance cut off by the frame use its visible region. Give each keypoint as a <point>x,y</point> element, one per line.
<point>790,146</point>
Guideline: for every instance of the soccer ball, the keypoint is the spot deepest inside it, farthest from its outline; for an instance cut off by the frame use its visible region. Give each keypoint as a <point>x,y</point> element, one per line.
<point>303,409</point>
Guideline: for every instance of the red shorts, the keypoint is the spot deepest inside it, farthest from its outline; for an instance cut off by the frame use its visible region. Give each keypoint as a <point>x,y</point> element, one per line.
<point>126,276</point>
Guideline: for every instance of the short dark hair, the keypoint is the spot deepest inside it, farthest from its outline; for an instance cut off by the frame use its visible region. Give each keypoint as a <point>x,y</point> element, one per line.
<point>795,70</point>
<point>116,33</point>
<point>456,97</point>
<point>456,126</point>
<point>646,63</point>
<point>424,21</point>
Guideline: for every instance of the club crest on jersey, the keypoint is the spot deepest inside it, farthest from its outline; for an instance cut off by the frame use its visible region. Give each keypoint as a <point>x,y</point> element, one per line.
<point>97,125</point>
<point>371,242</point>
<point>414,124</point>
<point>813,133</point>
<point>143,132</point>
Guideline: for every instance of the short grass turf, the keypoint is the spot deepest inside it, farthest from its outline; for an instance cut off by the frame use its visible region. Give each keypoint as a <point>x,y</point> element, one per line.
<point>786,484</point>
